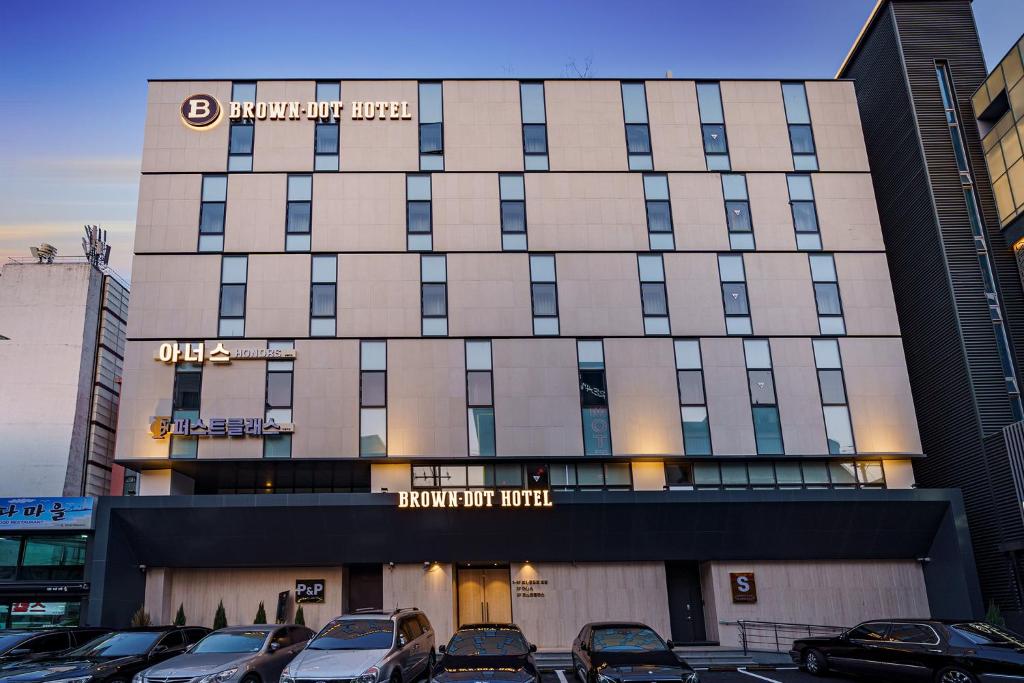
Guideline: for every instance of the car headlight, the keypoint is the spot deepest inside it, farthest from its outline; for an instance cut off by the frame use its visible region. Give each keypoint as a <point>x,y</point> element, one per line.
<point>137,678</point>
<point>286,677</point>
<point>691,677</point>
<point>219,677</point>
<point>76,679</point>
<point>368,676</point>
<point>602,678</point>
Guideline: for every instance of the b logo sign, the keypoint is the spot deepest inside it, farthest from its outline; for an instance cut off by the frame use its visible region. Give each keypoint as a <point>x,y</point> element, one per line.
<point>200,112</point>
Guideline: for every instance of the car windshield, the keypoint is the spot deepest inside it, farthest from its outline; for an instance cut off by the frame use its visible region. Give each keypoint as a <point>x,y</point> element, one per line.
<point>985,634</point>
<point>6,640</point>
<point>483,642</point>
<point>232,641</point>
<point>355,634</point>
<point>118,645</point>
<point>627,639</point>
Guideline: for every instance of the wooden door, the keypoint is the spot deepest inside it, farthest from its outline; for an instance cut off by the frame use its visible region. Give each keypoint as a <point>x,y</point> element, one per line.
<point>498,596</point>
<point>471,596</point>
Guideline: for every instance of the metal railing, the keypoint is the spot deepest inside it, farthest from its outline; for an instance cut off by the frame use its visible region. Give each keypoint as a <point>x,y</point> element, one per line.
<point>772,636</point>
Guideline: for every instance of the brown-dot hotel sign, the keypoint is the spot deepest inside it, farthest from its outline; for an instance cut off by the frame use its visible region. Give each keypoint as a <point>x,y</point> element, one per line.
<point>204,112</point>
<point>744,588</point>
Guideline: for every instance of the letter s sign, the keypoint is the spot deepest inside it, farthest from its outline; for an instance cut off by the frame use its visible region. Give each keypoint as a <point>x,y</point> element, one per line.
<point>744,588</point>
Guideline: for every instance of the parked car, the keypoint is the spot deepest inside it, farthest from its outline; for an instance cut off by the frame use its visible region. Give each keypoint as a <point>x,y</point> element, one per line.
<point>20,646</point>
<point>112,658</point>
<point>250,654</point>
<point>623,652</point>
<point>945,651</point>
<point>497,653</point>
<point>395,647</point>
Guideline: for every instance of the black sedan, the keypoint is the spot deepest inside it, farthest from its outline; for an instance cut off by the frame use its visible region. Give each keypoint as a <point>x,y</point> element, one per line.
<point>945,651</point>
<point>496,653</point>
<point>111,658</point>
<point>619,652</point>
<point>18,646</point>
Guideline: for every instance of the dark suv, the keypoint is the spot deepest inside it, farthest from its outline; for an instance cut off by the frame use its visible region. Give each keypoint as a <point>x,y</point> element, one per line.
<point>26,645</point>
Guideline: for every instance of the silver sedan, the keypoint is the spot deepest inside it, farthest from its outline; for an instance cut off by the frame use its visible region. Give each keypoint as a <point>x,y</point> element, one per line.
<point>238,654</point>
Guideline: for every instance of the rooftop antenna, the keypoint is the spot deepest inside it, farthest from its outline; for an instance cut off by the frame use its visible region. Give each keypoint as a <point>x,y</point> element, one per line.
<point>95,246</point>
<point>45,253</point>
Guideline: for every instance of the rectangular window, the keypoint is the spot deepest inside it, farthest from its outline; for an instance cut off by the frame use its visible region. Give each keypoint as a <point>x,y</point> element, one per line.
<point>188,388</point>
<point>323,296</point>
<point>805,214</point>
<point>801,138</point>
<point>280,384</point>
<point>513,211</point>
<point>826,294</point>
<point>597,435</point>
<point>638,132</point>
<point>240,135</point>
<point>299,213</point>
<point>232,296</point>
<point>692,399</point>
<point>712,126</point>
<point>544,294</point>
<point>328,132</point>
<point>419,220</point>
<point>653,297</point>
<point>734,294</point>
<point>535,129</point>
<point>763,405</point>
<point>834,403</point>
<point>480,397</point>
<point>434,295</point>
<point>431,127</point>
<point>212,210</point>
<point>659,213</point>
<point>737,211</point>
<point>373,403</point>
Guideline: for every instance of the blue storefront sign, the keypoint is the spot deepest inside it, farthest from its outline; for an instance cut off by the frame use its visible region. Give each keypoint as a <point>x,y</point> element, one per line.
<point>45,513</point>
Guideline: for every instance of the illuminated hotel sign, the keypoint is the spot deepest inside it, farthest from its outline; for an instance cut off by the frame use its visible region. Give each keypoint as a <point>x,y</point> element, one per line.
<point>163,426</point>
<point>514,498</point>
<point>202,112</point>
<point>196,353</point>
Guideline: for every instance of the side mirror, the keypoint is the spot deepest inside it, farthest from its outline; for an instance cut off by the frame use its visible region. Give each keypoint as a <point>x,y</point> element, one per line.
<point>533,648</point>
<point>671,644</point>
<point>441,648</point>
<point>584,647</point>
<point>275,646</point>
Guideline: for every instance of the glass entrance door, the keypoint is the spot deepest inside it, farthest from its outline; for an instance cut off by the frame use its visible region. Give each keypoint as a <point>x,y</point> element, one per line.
<point>484,595</point>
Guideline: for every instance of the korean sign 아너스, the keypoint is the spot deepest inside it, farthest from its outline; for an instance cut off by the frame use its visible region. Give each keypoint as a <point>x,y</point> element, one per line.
<point>175,353</point>
<point>46,513</point>
<point>163,426</point>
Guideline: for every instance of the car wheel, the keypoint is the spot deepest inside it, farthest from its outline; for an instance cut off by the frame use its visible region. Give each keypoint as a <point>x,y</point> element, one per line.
<point>814,663</point>
<point>954,674</point>
<point>250,679</point>
<point>396,677</point>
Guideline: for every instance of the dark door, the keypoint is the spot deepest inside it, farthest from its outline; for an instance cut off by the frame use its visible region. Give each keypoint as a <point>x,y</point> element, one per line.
<point>913,652</point>
<point>860,651</point>
<point>685,602</point>
<point>365,588</point>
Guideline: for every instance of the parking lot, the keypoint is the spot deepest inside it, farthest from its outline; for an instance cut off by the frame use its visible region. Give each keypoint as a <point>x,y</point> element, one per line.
<point>785,675</point>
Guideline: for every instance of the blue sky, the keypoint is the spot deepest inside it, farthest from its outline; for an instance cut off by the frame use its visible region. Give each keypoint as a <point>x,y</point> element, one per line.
<point>73,73</point>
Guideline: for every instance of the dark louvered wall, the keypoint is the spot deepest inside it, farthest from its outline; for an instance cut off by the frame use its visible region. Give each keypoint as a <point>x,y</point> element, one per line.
<point>950,346</point>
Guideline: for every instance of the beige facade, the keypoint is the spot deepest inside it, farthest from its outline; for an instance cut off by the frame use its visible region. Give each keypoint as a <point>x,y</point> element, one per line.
<point>483,126</point>
<point>755,125</point>
<point>358,212</point>
<point>284,145</point>
<point>585,126</point>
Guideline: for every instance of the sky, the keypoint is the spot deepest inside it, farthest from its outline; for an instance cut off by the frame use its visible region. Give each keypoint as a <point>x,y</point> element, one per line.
<point>73,73</point>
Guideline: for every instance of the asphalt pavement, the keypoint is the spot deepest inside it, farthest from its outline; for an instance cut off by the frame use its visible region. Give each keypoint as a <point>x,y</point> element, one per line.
<point>780,675</point>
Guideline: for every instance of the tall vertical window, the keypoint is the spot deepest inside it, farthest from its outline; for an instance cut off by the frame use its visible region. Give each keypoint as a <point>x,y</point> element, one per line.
<point>434,295</point>
<point>299,214</point>
<point>232,295</point>
<point>693,405</point>
<point>418,212</point>
<point>763,405</point>
<point>597,434</point>
<point>834,403</point>
<point>280,386</point>
<point>544,294</point>
<point>826,294</point>
<point>980,244</point>
<point>480,397</point>
<point>188,387</point>
<point>734,294</point>
<point>431,127</point>
<point>212,209</point>
<point>240,135</point>
<point>659,212</point>
<point>513,211</point>
<point>373,398</point>
<point>805,214</point>
<point>737,211</point>
<point>328,132</point>
<point>801,138</point>
<point>638,132</point>
<point>653,297</point>
<point>323,296</point>
<point>712,126</point>
<point>535,129</point>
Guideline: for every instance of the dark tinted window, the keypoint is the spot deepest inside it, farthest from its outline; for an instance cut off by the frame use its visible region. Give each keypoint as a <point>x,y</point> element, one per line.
<point>913,633</point>
<point>869,632</point>
<point>410,628</point>
<point>985,634</point>
<point>280,636</point>
<point>52,642</point>
<point>299,634</point>
<point>231,642</point>
<point>194,635</point>
<point>118,644</point>
<point>9,640</point>
<point>490,641</point>
<point>355,634</point>
<point>83,636</point>
<point>627,639</point>
<point>424,624</point>
<point>173,639</point>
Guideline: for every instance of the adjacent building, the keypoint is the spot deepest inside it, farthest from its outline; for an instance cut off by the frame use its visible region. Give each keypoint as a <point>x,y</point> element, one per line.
<point>917,66</point>
<point>548,351</point>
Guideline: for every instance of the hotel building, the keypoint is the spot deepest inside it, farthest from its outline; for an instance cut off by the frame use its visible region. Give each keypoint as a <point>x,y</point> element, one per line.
<point>662,309</point>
